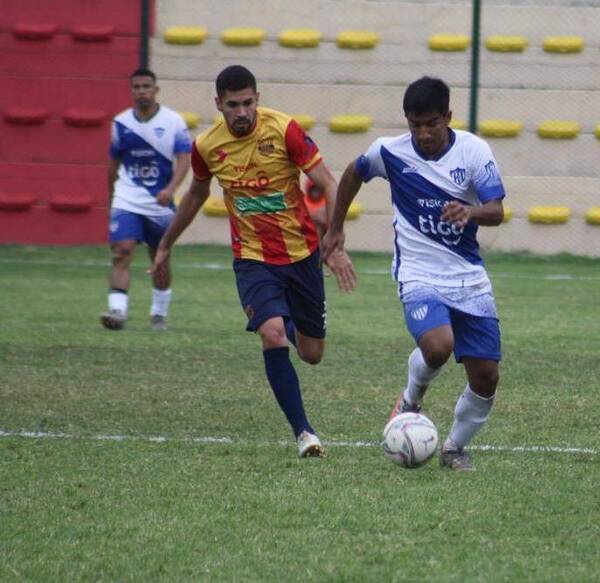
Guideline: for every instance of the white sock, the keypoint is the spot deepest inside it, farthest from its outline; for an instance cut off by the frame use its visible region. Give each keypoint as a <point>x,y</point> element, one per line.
<point>419,376</point>
<point>161,300</point>
<point>118,300</point>
<point>470,413</point>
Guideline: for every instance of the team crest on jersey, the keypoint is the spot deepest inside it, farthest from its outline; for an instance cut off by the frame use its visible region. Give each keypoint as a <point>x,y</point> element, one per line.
<point>266,146</point>
<point>490,169</point>
<point>458,175</point>
<point>160,132</point>
<point>419,312</point>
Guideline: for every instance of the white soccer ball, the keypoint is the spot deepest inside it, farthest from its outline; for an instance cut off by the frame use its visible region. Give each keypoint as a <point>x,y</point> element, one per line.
<point>410,439</point>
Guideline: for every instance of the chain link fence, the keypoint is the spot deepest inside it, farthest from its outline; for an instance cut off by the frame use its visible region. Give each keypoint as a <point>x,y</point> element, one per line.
<point>538,96</point>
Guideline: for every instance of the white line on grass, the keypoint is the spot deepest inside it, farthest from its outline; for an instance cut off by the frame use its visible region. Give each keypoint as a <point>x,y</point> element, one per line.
<point>227,266</point>
<point>230,440</point>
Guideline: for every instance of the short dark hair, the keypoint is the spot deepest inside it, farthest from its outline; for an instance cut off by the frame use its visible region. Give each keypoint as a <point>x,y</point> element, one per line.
<point>427,95</point>
<point>234,78</point>
<point>143,72</point>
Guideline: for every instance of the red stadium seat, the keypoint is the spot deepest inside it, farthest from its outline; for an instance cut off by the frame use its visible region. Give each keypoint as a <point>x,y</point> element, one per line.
<point>17,202</point>
<point>92,32</point>
<point>34,30</point>
<point>71,203</point>
<point>26,115</point>
<point>80,117</point>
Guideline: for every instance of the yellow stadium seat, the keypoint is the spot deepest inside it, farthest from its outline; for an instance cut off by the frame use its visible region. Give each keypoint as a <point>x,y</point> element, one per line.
<point>190,118</point>
<point>549,215</point>
<point>243,36</point>
<point>506,44</point>
<point>349,124</point>
<point>563,44</point>
<point>357,39</point>
<point>500,128</point>
<point>458,124</point>
<point>597,131</point>
<point>508,214</point>
<point>449,42</point>
<point>215,207</point>
<point>592,215</point>
<point>185,35</point>
<point>558,130</point>
<point>354,211</point>
<point>306,121</point>
<point>300,38</point>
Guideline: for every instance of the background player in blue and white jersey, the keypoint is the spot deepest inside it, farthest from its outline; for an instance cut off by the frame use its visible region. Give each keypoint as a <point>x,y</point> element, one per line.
<point>149,158</point>
<point>444,184</point>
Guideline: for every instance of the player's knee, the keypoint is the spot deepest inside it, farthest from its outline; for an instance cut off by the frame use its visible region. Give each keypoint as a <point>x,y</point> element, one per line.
<point>485,383</point>
<point>437,356</point>
<point>273,337</point>
<point>311,356</point>
<point>121,256</point>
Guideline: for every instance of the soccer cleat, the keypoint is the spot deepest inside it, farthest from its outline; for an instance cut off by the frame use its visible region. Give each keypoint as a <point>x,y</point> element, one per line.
<point>403,406</point>
<point>456,459</point>
<point>114,319</point>
<point>309,445</point>
<point>158,322</point>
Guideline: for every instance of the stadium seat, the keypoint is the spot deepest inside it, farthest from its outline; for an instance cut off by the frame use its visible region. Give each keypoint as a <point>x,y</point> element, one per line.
<point>185,35</point>
<point>71,203</point>
<point>300,38</point>
<point>349,124</point>
<point>563,44</point>
<point>500,128</point>
<point>508,214</point>
<point>558,130</point>
<point>92,33</point>
<point>17,202</point>
<point>506,44</point>
<point>26,115</point>
<point>80,117</point>
<point>306,121</point>
<point>592,215</point>
<point>192,120</point>
<point>597,131</point>
<point>354,211</point>
<point>449,42</point>
<point>357,39</point>
<point>458,124</point>
<point>549,215</point>
<point>243,36</point>
<point>215,207</point>
<point>35,31</point>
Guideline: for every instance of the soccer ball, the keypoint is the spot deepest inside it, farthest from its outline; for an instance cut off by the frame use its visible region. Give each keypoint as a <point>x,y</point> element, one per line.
<point>410,439</point>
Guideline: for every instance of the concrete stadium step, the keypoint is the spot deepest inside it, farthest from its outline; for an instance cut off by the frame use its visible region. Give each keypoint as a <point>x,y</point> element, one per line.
<point>409,21</point>
<point>386,65</point>
<point>384,103</point>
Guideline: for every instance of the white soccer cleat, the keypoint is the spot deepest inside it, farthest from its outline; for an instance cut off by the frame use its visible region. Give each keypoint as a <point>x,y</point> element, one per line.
<point>309,445</point>
<point>158,323</point>
<point>114,319</point>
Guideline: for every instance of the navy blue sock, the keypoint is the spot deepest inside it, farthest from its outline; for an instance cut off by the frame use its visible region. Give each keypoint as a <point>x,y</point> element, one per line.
<point>286,387</point>
<point>290,331</point>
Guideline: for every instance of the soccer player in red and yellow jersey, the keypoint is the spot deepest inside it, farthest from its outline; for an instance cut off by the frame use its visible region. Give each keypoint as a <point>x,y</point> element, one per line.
<point>257,154</point>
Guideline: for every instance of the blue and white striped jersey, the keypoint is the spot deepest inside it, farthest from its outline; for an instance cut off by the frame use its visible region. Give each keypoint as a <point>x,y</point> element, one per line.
<point>146,150</point>
<point>426,249</point>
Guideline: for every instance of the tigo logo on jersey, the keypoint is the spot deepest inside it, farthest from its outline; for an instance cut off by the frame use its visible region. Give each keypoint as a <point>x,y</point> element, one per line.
<point>160,132</point>
<point>419,312</point>
<point>458,175</point>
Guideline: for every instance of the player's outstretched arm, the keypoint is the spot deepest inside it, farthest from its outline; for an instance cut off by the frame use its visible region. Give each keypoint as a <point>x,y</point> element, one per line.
<point>189,206</point>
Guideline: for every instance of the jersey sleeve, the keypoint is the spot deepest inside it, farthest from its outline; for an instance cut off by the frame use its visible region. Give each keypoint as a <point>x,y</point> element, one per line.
<point>183,140</point>
<point>486,176</point>
<point>115,150</point>
<point>199,167</point>
<point>302,151</point>
<point>370,164</point>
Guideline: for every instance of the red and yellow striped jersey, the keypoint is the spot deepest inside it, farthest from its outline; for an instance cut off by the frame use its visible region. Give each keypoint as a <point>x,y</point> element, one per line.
<point>259,174</point>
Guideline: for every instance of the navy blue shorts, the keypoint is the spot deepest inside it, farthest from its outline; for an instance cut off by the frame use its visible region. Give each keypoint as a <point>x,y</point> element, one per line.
<point>295,291</point>
<point>474,336</point>
<point>127,225</point>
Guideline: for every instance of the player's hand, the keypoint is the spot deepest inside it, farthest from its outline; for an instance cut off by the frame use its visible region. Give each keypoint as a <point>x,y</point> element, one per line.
<point>455,213</point>
<point>164,197</point>
<point>160,265</point>
<point>331,243</point>
<point>341,265</point>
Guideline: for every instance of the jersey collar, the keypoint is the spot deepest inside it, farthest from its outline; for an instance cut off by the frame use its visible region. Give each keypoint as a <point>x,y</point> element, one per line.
<point>441,153</point>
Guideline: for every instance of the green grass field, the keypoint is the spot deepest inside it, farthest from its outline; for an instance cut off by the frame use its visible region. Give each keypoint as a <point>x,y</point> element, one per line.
<point>144,456</point>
